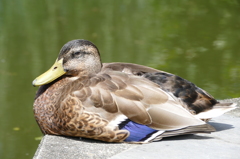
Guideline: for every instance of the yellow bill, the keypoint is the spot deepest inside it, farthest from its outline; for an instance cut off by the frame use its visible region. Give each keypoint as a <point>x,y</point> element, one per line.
<point>53,73</point>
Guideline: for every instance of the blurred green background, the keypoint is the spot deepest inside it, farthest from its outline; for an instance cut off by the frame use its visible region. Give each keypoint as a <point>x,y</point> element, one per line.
<point>197,40</point>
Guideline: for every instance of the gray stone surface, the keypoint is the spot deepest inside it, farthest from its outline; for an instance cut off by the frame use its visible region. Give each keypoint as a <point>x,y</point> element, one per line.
<point>58,147</point>
<point>222,144</point>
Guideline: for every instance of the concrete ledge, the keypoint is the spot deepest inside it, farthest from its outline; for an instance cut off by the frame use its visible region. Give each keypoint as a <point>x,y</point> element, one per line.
<point>222,144</point>
<point>58,147</point>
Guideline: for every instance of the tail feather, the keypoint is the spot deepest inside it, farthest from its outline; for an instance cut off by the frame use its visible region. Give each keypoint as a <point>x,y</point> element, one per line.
<point>217,110</point>
<point>205,128</point>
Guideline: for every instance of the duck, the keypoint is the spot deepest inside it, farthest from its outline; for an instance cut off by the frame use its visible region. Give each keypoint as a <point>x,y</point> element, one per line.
<point>79,96</point>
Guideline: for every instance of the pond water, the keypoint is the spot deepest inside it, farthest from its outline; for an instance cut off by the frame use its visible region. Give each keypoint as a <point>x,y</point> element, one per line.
<point>197,40</point>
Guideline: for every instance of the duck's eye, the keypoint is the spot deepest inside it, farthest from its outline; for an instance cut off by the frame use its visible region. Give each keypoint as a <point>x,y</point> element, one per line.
<point>77,53</point>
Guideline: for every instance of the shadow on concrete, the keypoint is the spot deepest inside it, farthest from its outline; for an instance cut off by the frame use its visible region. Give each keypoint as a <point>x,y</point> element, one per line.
<point>221,126</point>
<point>187,137</point>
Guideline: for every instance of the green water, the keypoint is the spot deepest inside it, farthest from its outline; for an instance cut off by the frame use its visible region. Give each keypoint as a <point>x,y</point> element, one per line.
<point>197,40</point>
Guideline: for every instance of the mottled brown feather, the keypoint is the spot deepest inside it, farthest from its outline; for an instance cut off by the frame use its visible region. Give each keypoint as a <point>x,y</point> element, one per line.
<point>68,117</point>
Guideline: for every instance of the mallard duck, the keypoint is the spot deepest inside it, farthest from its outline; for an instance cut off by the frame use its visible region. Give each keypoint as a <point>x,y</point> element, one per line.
<point>118,102</point>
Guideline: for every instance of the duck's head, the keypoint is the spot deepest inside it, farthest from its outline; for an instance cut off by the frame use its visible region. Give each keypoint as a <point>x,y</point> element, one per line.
<point>76,58</point>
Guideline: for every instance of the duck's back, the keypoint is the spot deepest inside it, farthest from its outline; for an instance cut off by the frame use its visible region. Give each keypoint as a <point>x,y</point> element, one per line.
<point>194,97</point>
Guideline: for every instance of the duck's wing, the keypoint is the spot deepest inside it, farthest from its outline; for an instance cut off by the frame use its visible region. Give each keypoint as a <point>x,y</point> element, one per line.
<point>114,94</point>
<point>114,106</point>
<point>194,97</point>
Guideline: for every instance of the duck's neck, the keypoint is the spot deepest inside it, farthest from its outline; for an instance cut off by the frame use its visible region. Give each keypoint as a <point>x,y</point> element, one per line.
<point>55,84</point>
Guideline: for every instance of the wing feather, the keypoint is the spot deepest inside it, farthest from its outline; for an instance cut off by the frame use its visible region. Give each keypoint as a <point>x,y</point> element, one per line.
<point>170,116</point>
<point>131,93</point>
<point>134,110</point>
<point>139,99</point>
